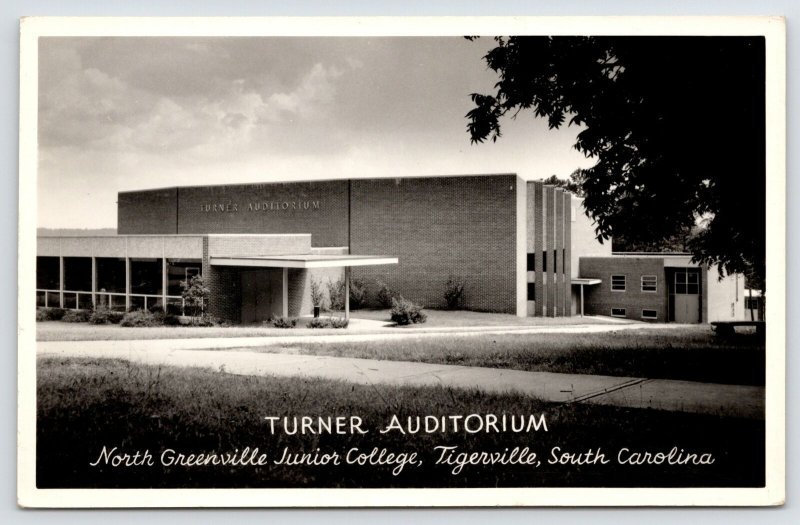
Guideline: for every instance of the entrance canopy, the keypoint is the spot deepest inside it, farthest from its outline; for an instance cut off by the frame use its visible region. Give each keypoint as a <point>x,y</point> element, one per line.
<point>306,261</point>
<point>583,281</point>
<point>303,261</point>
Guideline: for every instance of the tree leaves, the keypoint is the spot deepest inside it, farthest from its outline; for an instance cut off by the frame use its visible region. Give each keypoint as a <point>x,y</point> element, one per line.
<point>676,125</point>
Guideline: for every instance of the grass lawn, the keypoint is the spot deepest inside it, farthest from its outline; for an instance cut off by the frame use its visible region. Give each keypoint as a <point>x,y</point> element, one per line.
<point>60,331</point>
<point>466,318</point>
<point>693,353</point>
<point>85,405</point>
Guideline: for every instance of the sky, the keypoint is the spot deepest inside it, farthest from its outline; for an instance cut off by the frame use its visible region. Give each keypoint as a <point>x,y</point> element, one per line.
<point>119,114</point>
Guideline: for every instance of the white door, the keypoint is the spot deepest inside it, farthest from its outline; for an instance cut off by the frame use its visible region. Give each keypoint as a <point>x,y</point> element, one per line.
<point>687,297</point>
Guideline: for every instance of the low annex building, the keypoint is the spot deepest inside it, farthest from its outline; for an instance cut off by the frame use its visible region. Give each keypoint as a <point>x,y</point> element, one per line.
<point>519,247</point>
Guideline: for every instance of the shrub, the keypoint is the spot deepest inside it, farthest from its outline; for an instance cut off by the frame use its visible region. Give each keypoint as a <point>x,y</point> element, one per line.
<point>49,314</point>
<point>405,312</point>
<point>329,322</point>
<point>454,293</point>
<point>283,322</point>
<point>105,315</point>
<point>336,294</point>
<point>339,322</point>
<point>142,318</point>
<point>319,322</point>
<point>157,308</point>
<point>195,296</point>
<point>358,294</point>
<point>317,294</point>
<point>171,320</point>
<point>174,309</point>
<point>385,295</point>
<point>76,316</point>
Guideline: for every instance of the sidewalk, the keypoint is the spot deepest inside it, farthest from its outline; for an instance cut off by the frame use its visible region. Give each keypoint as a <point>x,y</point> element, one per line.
<point>678,396</point>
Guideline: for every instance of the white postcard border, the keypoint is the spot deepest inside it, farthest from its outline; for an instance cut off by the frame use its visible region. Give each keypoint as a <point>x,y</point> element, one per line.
<point>773,28</point>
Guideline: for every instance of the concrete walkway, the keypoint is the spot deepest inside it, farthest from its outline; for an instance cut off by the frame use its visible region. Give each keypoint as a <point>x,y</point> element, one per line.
<point>346,336</point>
<point>683,396</point>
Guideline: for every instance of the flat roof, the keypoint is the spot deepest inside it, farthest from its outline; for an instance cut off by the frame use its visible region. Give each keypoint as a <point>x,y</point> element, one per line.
<point>586,281</point>
<point>341,179</point>
<point>303,261</point>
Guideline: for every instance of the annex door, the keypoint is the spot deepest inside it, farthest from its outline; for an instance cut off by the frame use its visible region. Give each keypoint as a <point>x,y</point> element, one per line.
<point>262,294</point>
<point>687,296</point>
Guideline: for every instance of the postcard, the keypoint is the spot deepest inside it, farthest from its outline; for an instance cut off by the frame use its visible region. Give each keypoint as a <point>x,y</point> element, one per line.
<point>360,262</point>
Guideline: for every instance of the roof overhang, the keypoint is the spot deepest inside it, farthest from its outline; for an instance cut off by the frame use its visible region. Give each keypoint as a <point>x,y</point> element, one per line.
<point>583,281</point>
<point>303,261</point>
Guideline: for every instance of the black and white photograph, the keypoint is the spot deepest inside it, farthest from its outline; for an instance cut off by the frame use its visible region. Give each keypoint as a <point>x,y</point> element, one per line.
<point>354,261</point>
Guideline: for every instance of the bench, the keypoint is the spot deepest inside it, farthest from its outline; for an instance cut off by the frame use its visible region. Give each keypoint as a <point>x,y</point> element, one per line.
<point>728,328</point>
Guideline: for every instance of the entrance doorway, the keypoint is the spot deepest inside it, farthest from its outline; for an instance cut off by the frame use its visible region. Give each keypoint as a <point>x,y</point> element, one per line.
<point>262,294</point>
<point>685,295</point>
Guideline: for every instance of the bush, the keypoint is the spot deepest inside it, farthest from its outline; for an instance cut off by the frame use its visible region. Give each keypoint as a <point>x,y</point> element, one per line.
<point>105,315</point>
<point>318,322</point>
<point>358,294</point>
<point>49,314</point>
<point>157,308</point>
<point>195,296</point>
<point>317,295</point>
<point>283,322</point>
<point>385,295</point>
<point>171,320</point>
<point>454,293</point>
<point>405,312</point>
<point>339,322</point>
<point>336,294</point>
<point>142,318</point>
<point>76,316</point>
<point>330,322</point>
<point>174,309</point>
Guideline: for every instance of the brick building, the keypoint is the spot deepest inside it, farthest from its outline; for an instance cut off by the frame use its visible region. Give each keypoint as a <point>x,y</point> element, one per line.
<point>518,247</point>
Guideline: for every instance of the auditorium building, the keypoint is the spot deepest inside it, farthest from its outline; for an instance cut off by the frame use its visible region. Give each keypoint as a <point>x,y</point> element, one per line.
<point>519,247</point>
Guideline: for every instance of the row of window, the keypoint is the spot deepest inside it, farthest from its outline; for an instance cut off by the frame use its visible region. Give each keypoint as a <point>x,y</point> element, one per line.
<point>646,314</point>
<point>649,283</point>
<point>531,263</point>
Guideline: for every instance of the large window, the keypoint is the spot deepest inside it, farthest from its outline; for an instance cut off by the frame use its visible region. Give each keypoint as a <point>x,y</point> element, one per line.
<point>180,270</point>
<point>78,274</point>
<point>617,283</point>
<point>110,274</point>
<point>47,273</point>
<point>649,283</point>
<point>687,282</point>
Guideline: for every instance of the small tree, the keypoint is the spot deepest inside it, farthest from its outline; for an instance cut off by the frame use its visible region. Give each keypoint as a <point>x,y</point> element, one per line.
<point>195,297</point>
<point>358,294</point>
<point>336,294</point>
<point>454,293</point>
<point>384,295</point>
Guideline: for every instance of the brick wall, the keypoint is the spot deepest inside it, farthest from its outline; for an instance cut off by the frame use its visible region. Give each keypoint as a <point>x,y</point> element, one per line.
<point>599,299</point>
<point>147,212</point>
<point>439,227</point>
<point>319,208</point>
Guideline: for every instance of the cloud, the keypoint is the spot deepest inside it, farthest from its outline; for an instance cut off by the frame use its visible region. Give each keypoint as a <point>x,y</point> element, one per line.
<point>89,108</point>
<point>315,91</point>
